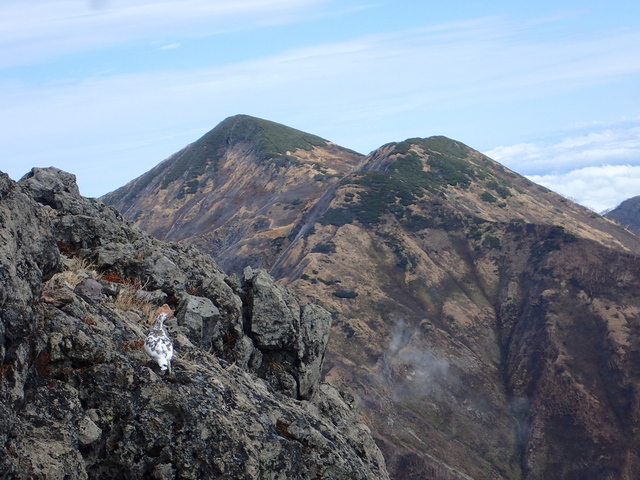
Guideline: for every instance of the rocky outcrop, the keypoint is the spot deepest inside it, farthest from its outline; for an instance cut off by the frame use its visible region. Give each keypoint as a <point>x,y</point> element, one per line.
<point>291,337</point>
<point>28,256</point>
<point>79,397</point>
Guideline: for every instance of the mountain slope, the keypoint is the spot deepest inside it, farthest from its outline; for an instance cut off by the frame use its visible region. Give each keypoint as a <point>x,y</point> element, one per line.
<point>627,214</point>
<point>487,326</point>
<point>469,282</point>
<point>235,191</point>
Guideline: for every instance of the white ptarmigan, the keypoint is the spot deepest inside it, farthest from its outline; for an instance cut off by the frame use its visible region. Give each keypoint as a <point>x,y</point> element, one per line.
<point>158,345</point>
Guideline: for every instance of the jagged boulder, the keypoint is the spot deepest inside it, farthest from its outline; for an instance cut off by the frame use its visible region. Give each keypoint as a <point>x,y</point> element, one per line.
<point>291,336</point>
<point>200,317</point>
<point>80,399</point>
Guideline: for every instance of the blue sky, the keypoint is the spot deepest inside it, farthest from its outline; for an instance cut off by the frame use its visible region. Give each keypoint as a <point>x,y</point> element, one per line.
<point>106,89</point>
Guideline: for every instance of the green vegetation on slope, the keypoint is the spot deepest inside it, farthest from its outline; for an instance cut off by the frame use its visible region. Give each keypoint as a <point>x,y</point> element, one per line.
<point>272,140</point>
<point>269,141</point>
<point>406,180</point>
<point>441,144</point>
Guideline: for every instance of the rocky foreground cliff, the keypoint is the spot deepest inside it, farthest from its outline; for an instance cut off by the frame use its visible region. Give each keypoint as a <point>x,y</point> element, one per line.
<point>80,399</point>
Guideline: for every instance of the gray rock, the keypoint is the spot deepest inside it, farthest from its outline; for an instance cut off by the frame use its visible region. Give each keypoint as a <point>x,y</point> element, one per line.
<point>275,314</point>
<point>53,187</point>
<point>156,297</point>
<point>89,289</point>
<point>200,317</point>
<point>28,257</point>
<point>79,399</point>
<point>57,296</point>
<point>315,325</point>
<point>291,336</point>
<point>88,432</point>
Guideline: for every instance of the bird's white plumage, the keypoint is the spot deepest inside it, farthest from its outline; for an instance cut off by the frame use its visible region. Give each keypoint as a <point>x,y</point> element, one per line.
<point>158,345</point>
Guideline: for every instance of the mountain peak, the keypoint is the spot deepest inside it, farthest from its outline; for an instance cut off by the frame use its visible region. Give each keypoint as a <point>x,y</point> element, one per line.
<point>245,168</point>
<point>272,140</point>
<point>438,143</point>
<point>188,169</point>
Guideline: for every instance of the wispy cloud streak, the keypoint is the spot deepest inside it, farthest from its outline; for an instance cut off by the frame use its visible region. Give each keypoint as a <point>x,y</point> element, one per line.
<point>39,30</point>
<point>599,188</point>
<point>616,145</point>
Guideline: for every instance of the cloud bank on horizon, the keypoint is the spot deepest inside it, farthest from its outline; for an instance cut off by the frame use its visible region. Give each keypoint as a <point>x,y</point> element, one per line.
<point>598,169</point>
<point>106,89</point>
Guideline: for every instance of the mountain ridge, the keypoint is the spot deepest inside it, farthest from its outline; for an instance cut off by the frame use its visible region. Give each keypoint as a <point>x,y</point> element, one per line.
<point>200,179</point>
<point>627,214</point>
<point>468,304</point>
<point>272,142</point>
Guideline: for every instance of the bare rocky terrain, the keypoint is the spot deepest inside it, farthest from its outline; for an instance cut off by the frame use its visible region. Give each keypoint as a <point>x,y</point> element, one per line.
<point>485,326</point>
<point>79,398</point>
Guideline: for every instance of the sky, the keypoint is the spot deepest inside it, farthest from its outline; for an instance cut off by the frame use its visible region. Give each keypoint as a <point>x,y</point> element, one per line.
<point>107,89</point>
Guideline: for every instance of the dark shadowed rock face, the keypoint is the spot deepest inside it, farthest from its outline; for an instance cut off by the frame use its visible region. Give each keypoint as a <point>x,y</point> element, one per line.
<point>80,399</point>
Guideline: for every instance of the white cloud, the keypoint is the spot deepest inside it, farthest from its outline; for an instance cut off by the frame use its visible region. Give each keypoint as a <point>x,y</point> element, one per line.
<point>617,145</point>
<point>598,188</point>
<point>598,168</point>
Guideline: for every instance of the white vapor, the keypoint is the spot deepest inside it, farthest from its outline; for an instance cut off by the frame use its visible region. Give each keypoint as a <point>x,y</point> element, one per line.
<point>416,368</point>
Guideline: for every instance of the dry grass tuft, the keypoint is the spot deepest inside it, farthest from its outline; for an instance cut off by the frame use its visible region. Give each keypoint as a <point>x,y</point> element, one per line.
<point>80,264</point>
<point>128,298</point>
<point>133,345</point>
<point>75,270</point>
